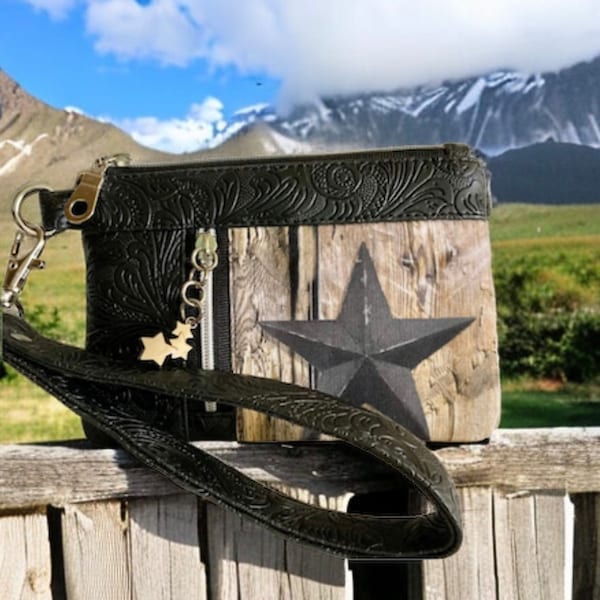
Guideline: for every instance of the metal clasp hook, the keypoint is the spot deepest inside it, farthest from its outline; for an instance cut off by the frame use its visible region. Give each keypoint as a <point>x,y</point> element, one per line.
<point>21,263</point>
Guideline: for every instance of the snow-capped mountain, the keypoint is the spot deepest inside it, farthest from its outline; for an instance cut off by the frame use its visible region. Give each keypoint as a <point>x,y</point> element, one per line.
<point>494,113</point>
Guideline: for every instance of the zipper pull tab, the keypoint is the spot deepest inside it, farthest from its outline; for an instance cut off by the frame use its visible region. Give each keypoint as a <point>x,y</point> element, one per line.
<point>82,203</point>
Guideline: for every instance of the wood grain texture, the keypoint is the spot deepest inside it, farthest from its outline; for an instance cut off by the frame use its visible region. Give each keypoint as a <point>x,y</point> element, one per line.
<point>311,573</point>
<point>32,475</point>
<point>514,534</point>
<point>514,547</point>
<point>586,560</point>
<point>248,562</point>
<point>164,549</point>
<point>261,289</point>
<point>96,557</point>
<point>147,548</point>
<point>534,459</point>
<point>427,269</point>
<point>25,568</point>
<point>431,269</point>
<point>552,521</point>
<point>530,545</point>
<point>566,459</point>
<point>468,574</point>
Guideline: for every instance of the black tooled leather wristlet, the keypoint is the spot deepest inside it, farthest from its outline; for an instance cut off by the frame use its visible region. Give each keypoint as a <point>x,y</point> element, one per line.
<point>154,212</point>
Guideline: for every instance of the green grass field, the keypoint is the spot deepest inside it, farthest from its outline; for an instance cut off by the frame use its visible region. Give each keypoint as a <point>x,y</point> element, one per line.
<point>536,222</point>
<point>565,241</point>
<point>29,414</point>
<point>55,301</point>
<point>527,403</point>
<point>549,409</point>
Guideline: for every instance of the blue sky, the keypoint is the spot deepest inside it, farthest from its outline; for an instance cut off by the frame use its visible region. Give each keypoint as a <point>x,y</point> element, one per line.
<point>55,59</point>
<point>164,69</point>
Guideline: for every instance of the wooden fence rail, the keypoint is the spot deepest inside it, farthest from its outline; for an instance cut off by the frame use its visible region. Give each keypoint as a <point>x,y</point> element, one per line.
<point>82,523</point>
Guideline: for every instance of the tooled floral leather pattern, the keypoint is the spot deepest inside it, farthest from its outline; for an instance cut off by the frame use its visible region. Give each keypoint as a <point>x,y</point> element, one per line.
<point>428,183</point>
<point>133,287</point>
<point>86,383</point>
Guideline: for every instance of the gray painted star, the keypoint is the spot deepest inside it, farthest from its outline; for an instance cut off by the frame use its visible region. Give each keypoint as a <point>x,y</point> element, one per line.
<point>366,355</point>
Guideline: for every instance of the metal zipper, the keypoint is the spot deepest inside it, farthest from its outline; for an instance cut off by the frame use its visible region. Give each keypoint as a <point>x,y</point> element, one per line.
<point>207,338</point>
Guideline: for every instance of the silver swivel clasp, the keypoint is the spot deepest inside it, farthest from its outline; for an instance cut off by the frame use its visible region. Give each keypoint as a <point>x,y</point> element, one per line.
<point>29,243</point>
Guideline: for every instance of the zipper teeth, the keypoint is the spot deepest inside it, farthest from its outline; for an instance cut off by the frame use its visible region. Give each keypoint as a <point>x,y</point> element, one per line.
<point>207,339</point>
<point>422,150</point>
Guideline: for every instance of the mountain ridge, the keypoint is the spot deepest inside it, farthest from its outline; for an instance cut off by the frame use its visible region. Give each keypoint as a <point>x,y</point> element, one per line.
<point>39,143</point>
<point>493,113</point>
<point>42,144</point>
<point>547,173</point>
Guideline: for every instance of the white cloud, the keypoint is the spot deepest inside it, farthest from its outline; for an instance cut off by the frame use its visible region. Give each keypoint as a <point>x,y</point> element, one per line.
<point>199,129</point>
<point>161,30</point>
<point>321,47</point>
<point>57,9</point>
<point>194,132</point>
<point>344,46</point>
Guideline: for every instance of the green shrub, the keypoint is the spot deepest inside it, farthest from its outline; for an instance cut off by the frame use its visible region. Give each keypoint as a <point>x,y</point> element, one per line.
<point>547,324</point>
<point>580,346</point>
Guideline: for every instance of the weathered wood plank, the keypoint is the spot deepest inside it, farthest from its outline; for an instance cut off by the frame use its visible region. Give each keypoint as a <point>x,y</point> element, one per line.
<point>314,575</point>
<point>529,527</point>
<point>25,569</point>
<point>248,561</point>
<point>586,560</point>
<point>260,267</point>
<point>468,574</point>
<point>529,459</point>
<point>147,548</point>
<point>514,547</point>
<point>35,475</point>
<point>96,557</point>
<point>244,560</point>
<point>551,524</point>
<point>164,549</point>
<point>530,545</point>
<point>421,266</point>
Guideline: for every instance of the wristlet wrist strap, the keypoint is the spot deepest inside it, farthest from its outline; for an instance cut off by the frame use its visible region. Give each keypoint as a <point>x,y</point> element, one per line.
<point>86,383</point>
